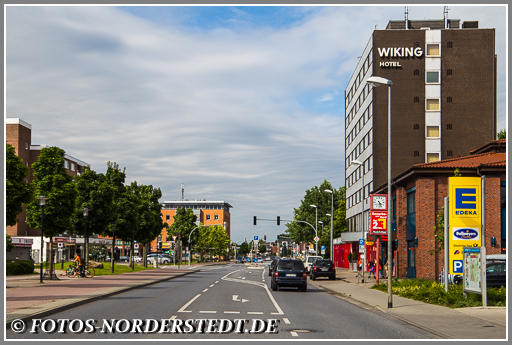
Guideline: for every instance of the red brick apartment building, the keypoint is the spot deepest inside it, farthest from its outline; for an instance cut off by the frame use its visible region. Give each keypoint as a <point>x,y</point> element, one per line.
<point>207,212</point>
<point>18,133</point>
<point>418,196</point>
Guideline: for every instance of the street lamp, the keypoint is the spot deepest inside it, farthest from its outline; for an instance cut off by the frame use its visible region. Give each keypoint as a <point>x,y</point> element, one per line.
<point>316,227</point>
<point>86,244</point>
<point>360,164</point>
<point>377,81</point>
<point>332,212</point>
<point>42,201</point>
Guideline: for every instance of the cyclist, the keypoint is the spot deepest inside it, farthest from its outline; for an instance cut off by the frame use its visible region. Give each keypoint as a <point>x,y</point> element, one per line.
<point>79,263</point>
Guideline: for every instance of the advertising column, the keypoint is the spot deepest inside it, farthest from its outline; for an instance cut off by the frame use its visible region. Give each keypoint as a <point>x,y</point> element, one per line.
<point>465,218</point>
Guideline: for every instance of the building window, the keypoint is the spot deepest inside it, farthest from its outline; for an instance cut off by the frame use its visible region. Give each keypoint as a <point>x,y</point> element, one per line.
<point>432,157</point>
<point>416,126</point>
<point>433,49</point>
<point>207,217</point>
<point>416,153</point>
<point>26,146</point>
<point>432,104</point>
<point>449,99</point>
<point>449,44</point>
<point>72,166</point>
<point>416,72</point>
<point>416,99</point>
<point>432,131</point>
<point>432,77</point>
<point>216,217</point>
<point>167,217</point>
<point>449,153</point>
<point>66,164</point>
<point>449,71</point>
<point>449,126</point>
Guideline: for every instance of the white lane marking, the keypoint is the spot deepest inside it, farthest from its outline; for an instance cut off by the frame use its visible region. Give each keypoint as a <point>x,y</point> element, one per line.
<point>205,290</point>
<point>286,320</point>
<point>278,308</point>
<point>263,280</point>
<point>243,277</point>
<point>255,312</point>
<point>235,297</point>
<point>229,274</point>
<point>294,334</point>
<point>262,275</point>
<point>211,285</point>
<point>182,309</point>
<point>275,314</point>
<point>172,317</point>
<point>231,312</point>
<point>207,311</point>
<point>216,282</point>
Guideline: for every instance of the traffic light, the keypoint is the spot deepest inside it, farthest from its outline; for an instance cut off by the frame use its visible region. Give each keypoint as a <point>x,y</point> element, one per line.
<point>264,237</point>
<point>278,220</point>
<point>254,221</point>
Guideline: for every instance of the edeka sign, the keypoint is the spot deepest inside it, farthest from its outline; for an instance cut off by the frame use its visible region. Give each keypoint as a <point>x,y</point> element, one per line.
<point>464,217</point>
<point>398,52</point>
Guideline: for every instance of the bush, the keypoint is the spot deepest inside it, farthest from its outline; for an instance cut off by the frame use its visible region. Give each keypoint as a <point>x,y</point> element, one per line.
<point>430,291</point>
<point>17,267</point>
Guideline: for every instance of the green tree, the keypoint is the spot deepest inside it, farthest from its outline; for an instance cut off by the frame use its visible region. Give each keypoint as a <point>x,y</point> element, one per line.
<point>184,223</point>
<point>212,239</point>
<point>94,193</point>
<point>244,248</point>
<point>52,181</point>
<point>114,180</point>
<point>262,248</point>
<point>502,134</point>
<point>8,243</point>
<point>300,232</point>
<point>18,191</point>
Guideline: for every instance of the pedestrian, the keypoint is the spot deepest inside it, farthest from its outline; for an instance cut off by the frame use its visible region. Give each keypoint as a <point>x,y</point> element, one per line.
<point>372,269</point>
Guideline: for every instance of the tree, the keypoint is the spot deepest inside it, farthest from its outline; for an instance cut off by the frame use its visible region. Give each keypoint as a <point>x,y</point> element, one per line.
<point>8,243</point>
<point>262,248</point>
<point>213,239</point>
<point>52,181</point>
<point>303,233</point>
<point>244,248</point>
<point>184,223</point>
<point>114,179</point>
<point>502,134</point>
<point>94,193</point>
<point>18,191</point>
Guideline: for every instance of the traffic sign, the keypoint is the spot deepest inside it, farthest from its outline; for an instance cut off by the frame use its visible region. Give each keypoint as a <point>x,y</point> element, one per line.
<point>60,244</point>
<point>378,222</point>
<point>136,246</point>
<point>361,241</point>
<point>322,249</point>
<point>255,238</point>
<point>174,238</point>
<point>316,239</point>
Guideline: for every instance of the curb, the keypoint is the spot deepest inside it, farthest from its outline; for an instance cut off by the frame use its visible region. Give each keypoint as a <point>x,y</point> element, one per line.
<point>367,306</point>
<point>28,318</point>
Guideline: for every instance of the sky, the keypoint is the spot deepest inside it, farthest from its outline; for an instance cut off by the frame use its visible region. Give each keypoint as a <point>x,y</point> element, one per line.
<point>243,104</point>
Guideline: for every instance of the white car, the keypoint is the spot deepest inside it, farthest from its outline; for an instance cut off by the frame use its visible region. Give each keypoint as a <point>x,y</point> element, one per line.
<point>309,261</point>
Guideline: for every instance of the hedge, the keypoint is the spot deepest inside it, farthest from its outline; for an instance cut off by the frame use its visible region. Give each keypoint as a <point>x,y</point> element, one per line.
<point>17,267</point>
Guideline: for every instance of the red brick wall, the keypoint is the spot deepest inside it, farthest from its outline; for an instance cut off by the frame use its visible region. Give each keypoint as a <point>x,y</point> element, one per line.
<point>425,222</point>
<point>492,213</point>
<point>401,206</point>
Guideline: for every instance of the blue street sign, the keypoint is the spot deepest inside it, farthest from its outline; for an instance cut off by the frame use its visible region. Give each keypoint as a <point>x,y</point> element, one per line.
<point>361,242</point>
<point>322,247</point>
<point>248,259</point>
<point>255,260</point>
<point>255,238</point>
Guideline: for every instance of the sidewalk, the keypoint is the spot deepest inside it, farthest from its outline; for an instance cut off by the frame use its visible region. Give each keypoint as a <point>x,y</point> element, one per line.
<point>27,298</point>
<point>461,323</point>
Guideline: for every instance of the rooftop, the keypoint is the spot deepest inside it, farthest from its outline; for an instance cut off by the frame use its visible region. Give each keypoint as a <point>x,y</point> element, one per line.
<point>471,161</point>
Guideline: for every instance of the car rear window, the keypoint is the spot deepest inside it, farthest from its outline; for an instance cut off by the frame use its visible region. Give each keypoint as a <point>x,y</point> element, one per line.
<point>323,262</point>
<point>312,259</point>
<point>290,265</point>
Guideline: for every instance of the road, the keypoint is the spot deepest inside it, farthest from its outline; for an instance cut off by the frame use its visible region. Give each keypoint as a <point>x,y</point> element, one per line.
<point>236,291</point>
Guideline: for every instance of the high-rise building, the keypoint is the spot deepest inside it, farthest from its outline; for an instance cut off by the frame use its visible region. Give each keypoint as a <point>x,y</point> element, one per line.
<point>443,104</point>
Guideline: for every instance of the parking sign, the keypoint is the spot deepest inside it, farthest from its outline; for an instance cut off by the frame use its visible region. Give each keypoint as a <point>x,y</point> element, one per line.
<point>255,238</point>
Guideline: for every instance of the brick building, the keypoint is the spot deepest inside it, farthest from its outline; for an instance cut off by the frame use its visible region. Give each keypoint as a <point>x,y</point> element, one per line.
<point>207,212</point>
<point>18,133</point>
<point>418,195</point>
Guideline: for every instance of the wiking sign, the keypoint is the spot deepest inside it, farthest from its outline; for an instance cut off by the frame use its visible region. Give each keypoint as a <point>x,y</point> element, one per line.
<point>398,52</point>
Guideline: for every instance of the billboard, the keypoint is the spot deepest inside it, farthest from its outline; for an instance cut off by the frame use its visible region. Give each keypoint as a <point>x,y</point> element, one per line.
<point>378,222</point>
<point>472,276</point>
<point>465,220</point>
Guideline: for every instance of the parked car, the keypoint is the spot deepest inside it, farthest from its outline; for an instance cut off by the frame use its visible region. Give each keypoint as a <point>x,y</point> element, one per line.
<point>323,268</point>
<point>496,271</point>
<point>137,259</point>
<point>124,258</point>
<point>309,261</point>
<point>289,273</point>
<point>272,266</point>
<point>162,258</point>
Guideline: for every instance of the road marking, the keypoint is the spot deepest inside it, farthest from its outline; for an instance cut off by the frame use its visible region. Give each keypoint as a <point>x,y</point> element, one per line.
<point>207,311</point>
<point>243,277</point>
<point>231,312</point>
<point>255,312</point>
<point>235,297</point>
<point>216,282</point>
<point>286,320</point>
<point>278,308</point>
<point>205,290</point>
<point>211,285</point>
<point>294,334</point>
<point>172,317</point>
<point>262,275</point>
<point>182,309</point>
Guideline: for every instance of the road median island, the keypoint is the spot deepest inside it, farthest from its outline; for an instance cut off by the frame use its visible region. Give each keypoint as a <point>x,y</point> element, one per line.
<point>37,300</point>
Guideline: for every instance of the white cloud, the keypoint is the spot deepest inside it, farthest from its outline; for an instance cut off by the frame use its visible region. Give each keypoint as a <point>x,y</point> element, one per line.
<point>215,109</point>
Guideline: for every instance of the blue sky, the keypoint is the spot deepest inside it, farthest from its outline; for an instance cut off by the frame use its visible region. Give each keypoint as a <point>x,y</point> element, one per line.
<point>242,104</point>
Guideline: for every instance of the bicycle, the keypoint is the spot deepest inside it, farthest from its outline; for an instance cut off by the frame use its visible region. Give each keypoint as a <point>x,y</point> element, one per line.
<point>74,271</point>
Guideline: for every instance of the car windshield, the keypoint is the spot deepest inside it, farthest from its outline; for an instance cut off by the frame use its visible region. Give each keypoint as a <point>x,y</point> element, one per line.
<point>312,259</point>
<point>290,265</point>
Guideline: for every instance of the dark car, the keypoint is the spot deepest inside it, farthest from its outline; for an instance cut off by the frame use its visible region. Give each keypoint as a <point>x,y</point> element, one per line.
<point>289,273</point>
<point>496,274</point>
<point>323,268</point>
<point>272,266</point>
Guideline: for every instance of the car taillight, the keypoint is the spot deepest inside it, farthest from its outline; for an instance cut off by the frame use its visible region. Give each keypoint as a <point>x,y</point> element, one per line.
<point>314,268</point>
<point>304,275</point>
<point>276,274</point>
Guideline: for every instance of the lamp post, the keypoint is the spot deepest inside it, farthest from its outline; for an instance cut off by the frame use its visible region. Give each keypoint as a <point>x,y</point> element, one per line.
<point>360,164</point>
<point>331,214</point>
<point>42,201</point>
<point>86,242</point>
<point>316,226</point>
<point>377,81</point>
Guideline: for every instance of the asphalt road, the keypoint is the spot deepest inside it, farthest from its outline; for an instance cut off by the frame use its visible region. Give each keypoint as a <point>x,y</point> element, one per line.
<point>231,292</point>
